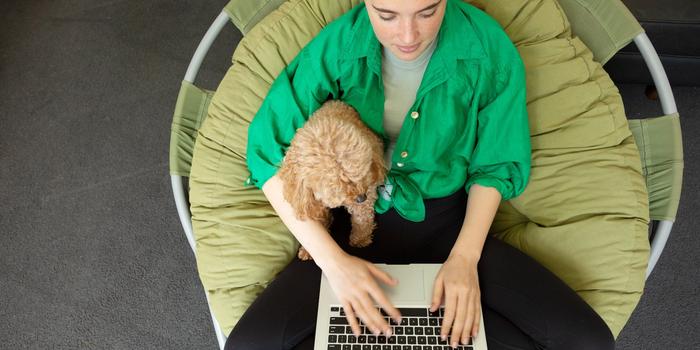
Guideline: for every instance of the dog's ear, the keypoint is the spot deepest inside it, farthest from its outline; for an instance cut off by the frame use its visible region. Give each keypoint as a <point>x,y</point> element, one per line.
<point>378,167</point>
<point>316,211</point>
<point>296,192</point>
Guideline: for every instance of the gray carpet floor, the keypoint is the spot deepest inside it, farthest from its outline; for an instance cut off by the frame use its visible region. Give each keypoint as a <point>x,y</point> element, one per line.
<point>92,255</point>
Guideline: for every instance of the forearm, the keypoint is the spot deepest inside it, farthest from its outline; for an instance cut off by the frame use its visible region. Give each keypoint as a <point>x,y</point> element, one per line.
<point>482,204</point>
<point>311,234</point>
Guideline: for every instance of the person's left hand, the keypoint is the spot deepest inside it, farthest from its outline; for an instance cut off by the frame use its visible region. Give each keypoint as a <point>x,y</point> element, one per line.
<point>458,282</point>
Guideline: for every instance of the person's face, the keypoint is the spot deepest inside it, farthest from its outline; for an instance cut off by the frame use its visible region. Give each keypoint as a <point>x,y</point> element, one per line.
<point>406,27</point>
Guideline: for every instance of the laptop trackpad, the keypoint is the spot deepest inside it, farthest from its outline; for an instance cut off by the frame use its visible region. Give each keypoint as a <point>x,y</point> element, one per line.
<point>410,287</point>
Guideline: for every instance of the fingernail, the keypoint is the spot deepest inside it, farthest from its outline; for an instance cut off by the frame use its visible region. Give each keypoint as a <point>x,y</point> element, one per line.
<point>443,337</point>
<point>388,332</point>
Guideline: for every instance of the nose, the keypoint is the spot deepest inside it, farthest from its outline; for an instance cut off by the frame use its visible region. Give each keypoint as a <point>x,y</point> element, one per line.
<point>408,32</point>
<point>361,198</point>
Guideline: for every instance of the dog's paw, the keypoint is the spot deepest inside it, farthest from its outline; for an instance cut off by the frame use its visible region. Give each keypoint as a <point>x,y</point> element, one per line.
<point>303,254</point>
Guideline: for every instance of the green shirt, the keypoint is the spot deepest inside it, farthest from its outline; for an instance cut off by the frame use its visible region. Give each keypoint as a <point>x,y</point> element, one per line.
<point>468,123</point>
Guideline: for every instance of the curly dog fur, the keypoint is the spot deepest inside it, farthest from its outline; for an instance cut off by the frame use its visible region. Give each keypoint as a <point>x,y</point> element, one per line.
<point>334,160</point>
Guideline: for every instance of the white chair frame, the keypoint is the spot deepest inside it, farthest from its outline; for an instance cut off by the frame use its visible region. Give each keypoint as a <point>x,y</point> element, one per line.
<point>651,58</point>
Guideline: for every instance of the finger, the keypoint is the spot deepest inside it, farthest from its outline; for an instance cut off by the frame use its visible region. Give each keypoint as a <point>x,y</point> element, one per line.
<point>382,275</point>
<point>375,321</point>
<point>388,307</point>
<point>361,313</point>
<point>461,315</point>
<point>437,293</point>
<point>352,318</point>
<point>477,319</point>
<point>469,322</point>
<point>450,309</point>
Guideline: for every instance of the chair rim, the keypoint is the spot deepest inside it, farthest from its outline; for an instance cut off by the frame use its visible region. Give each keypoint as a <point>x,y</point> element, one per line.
<point>179,186</point>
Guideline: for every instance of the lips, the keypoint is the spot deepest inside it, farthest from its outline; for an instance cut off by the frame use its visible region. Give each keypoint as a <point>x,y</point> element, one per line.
<point>408,49</point>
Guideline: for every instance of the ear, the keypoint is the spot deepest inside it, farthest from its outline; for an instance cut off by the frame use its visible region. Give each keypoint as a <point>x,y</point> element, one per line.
<point>378,168</point>
<point>297,193</point>
<point>317,211</point>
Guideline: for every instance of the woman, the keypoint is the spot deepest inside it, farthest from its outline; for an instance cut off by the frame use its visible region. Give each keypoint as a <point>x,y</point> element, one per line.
<point>444,87</point>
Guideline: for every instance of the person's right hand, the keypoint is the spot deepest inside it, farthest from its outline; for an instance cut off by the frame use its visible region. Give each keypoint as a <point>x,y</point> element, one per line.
<point>353,281</point>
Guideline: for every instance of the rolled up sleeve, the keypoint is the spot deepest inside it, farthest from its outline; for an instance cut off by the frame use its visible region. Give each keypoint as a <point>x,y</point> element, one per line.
<point>501,157</point>
<point>297,92</point>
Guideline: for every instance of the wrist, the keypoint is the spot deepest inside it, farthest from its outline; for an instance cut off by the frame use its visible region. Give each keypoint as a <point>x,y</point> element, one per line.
<point>329,257</point>
<point>467,258</point>
<point>463,251</point>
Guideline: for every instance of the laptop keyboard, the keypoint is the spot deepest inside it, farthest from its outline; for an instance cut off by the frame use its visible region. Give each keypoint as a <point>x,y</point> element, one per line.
<point>419,330</point>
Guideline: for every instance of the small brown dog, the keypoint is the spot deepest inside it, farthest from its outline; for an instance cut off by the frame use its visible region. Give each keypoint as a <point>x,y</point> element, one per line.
<point>334,160</point>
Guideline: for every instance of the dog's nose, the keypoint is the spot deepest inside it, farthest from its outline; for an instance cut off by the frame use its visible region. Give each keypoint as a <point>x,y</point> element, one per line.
<point>361,198</point>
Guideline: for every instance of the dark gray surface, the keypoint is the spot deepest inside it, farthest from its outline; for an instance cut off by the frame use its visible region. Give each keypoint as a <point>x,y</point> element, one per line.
<point>92,255</point>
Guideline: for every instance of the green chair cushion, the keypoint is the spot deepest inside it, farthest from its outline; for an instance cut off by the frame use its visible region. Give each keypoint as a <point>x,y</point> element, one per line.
<point>584,214</point>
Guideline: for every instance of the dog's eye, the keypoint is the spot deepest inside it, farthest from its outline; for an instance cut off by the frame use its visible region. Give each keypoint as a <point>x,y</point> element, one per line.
<point>361,198</point>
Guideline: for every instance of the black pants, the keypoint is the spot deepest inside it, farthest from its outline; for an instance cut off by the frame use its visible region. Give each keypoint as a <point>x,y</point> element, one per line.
<point>525,306</point>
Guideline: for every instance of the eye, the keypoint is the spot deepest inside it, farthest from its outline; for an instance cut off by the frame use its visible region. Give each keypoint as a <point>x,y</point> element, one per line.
<point>387,18</point>
<point>427,15</point>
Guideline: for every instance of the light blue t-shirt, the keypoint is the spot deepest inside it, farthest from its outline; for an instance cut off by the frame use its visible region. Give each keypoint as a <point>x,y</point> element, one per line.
<point>401,82</point>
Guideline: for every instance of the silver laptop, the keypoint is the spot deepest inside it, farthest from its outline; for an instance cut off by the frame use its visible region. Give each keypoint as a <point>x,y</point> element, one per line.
<point>419,328</point>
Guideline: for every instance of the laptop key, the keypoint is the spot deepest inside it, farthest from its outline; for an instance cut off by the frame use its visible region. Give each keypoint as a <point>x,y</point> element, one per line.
<point>347,347</point>
<point>418,331</point>
<point>339,320</point>
<point>336,329</point>
<point>342,338</point>
<point>408,331</point>
<point>422,340</point>
<point>332,338</point>
<point>334,347</point>
<point>376,347</point>
<point>423,321</point>
<point>414,312</point>
<point>371,339</point>
<point>401,339</point>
